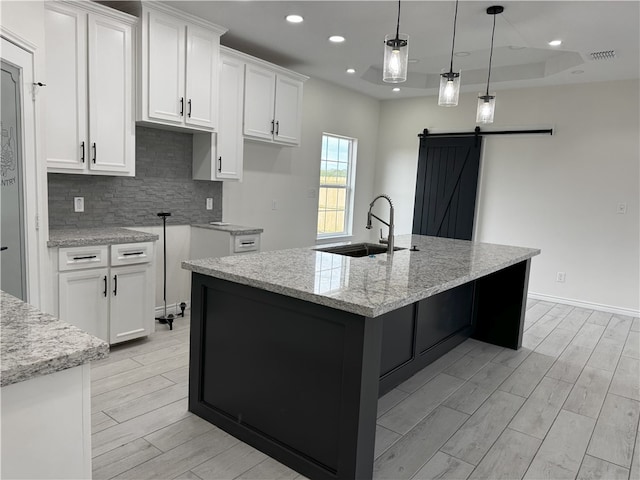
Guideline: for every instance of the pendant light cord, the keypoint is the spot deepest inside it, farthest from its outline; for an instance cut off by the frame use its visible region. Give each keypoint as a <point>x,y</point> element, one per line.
<point>398,24</point>
<point>491,52</point>
<point>453,43</point>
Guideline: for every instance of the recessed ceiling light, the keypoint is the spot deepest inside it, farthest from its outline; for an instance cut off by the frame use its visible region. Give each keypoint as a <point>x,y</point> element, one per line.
<point>395,89</point>
<point>336,38</point>
<point>577,72</point>
<point>351,70</point>
<point>555,43</point>
<point>294,18</point>
<point>462,54</point>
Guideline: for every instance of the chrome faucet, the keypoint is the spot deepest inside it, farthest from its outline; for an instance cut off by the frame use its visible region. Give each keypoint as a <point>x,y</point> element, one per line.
<point>389,239</point>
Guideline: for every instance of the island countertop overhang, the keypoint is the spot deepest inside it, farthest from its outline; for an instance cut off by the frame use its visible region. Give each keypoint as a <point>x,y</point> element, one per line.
<point>368,286</point>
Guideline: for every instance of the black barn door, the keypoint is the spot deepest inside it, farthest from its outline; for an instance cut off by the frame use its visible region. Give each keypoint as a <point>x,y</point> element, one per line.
<point>446,186</point>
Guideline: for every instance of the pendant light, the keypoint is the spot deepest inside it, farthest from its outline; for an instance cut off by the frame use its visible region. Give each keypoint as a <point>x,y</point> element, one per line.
<point>396,54</point>
<point>450,81</point>
<point>487,102</point>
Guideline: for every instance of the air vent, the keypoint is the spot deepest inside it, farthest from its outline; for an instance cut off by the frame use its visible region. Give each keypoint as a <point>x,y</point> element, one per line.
<point>603,55</point>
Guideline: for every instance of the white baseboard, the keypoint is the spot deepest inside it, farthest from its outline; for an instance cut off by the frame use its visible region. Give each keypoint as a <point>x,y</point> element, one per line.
<point>590,305</point>
<point>171,308</point>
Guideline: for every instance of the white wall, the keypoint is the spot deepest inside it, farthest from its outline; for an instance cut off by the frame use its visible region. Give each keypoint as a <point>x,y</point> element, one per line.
<point>178,279</point>
<point>24,18</point>
<point>290,175</point>
<point>558,193</point>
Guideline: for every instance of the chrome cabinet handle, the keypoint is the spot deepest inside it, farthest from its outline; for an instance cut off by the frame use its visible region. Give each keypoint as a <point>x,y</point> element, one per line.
<point>95,152</point>
<point>278,127</point>
<point>115,285</point>
<point>189,114</point>
<point>219,164</point>
<point>82,156</point>
<point>272,126</point>
<point>105,286</point>
<point>181,106</point>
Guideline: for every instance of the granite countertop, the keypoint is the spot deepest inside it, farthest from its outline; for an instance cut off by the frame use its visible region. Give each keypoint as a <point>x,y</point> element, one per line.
<point>97,236</point>
<point>231,229</point>
<point>369,286</point>
<point>34,343</point>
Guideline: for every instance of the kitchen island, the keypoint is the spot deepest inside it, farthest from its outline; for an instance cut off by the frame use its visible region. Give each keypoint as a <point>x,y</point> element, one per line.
<point>46,401</point>
<point>290,349</point>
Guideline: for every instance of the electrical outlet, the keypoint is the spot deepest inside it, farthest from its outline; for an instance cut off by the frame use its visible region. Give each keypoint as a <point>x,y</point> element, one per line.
<point>209,203</point>
<point>561,277</point>
<point>622,208</point>
<point>78,204</point>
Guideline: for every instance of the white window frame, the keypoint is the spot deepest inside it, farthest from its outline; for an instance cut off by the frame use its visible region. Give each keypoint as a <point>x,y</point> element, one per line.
<point>349,188</point>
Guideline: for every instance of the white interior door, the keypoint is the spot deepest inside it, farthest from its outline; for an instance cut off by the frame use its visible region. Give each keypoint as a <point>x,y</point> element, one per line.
<point>20,263</point>
<point>12,261</point>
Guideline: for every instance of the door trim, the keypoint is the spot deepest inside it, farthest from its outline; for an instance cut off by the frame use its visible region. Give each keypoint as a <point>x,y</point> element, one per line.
<point>21,53</point>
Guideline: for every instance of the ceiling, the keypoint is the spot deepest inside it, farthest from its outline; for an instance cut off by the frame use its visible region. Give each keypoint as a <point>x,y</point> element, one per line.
<point>522,56</point>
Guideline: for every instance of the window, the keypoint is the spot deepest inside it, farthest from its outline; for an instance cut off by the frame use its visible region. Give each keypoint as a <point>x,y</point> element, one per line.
<point>337,178</point>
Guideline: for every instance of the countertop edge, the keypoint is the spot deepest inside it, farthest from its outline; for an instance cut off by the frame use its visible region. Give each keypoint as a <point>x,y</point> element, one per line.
<point>52,365</point>
<point>35,343</point>
<point>357,309</point>
<point>231,229</point>
<point>91,237</point>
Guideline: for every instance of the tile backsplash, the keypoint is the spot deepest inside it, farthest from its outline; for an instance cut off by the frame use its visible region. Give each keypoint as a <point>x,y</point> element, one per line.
<point>163,183</point>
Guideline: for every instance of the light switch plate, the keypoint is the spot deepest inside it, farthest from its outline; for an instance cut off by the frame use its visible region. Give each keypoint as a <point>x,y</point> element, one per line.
<point>209,203</point>
<point>78,204</point>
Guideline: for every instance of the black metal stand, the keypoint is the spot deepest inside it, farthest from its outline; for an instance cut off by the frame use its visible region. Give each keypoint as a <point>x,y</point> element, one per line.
<point>165,318</point>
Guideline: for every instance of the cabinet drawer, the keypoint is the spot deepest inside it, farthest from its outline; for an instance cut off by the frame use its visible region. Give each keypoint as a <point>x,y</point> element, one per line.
<point>246,243</point>
<point>131,253</point>
<point>76,258</point>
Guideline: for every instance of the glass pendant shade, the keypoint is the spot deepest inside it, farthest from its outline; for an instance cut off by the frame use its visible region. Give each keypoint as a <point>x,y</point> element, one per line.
<point>486,108</point>
<point>396,56</point>
<point>449,89</point>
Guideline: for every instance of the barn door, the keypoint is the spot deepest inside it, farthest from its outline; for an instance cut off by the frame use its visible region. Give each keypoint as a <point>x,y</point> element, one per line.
<point>446,186</point>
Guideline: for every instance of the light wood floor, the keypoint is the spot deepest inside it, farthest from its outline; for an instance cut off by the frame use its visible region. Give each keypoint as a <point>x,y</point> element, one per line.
<point>566,405</point>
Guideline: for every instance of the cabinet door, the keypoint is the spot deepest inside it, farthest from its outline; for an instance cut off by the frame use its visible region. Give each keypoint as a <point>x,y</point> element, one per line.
<point>166,68</point>
<point>202,77</point>
<point>84,300</point>
<point>230,141</point>
<point>112,129</point>
<point>288,110</point>
<point>132,309</point>
<point>259,98</point>
<point>66,74</point>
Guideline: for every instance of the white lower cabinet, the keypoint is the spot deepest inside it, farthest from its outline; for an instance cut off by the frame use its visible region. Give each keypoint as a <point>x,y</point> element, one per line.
<point>84,300</point>
<point>108,291</point>
<point>129,316</point>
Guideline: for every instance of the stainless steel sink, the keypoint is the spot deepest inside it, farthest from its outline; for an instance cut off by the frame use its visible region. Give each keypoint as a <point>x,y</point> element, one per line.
<point>358,249</point>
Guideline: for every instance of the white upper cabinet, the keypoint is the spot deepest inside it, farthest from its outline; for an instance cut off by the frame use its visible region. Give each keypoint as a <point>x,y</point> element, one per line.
<point>260,95</point>
<point>272,104</point>
<point>288,110</point>
<point>229,139</point>
<point>179,78</point>
<point>90,126</point>
<point>166,53</point>
<point>220,156</point>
